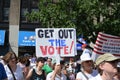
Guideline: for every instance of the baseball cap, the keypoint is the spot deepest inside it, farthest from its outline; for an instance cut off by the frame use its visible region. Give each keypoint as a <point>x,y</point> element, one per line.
<point>106,57</point>
<point>84,45</point>
<point>85,57</point>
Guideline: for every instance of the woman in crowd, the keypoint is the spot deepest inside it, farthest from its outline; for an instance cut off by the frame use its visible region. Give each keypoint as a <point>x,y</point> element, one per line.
<point>3,75</point>
<point>37,73</point>
<point>24,63</point>
<point>87,66</point>
<point>14,71</point>
<point>107,67</point>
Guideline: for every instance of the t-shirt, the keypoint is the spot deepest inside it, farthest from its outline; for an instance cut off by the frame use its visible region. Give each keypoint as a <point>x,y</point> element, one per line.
<point>47,68</point>
<point>98,77</point>
<point>57,77</point>
<point>82,77</point>
<point>35,76</point>
<point>18,73</point>
<point>3,74</point>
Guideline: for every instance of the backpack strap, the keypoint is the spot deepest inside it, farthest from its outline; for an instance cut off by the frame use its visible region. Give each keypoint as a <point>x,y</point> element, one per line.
<point>84,75</point>
<point>11,72</point>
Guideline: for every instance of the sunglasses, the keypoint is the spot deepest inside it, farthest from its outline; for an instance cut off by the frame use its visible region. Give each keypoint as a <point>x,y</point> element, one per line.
<point>112,62</point>
<point>12,58</point>
<point>89,61</point>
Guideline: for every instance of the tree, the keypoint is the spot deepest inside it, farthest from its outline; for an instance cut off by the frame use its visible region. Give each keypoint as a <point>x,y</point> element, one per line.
<point>88,16</point>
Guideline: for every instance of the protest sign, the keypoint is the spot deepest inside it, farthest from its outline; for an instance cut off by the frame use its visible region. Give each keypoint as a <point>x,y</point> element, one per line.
<point>106,43</point>
<point>55,41</point>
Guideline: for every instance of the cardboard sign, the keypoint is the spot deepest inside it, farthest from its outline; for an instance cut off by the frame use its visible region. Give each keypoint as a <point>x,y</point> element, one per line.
<point>55,41</point>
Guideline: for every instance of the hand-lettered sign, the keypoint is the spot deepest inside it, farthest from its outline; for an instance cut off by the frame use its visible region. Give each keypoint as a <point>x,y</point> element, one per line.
<point>55,41</point>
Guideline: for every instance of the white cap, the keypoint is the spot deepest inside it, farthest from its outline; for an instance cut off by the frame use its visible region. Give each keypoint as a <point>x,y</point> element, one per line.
<point>85,57</point>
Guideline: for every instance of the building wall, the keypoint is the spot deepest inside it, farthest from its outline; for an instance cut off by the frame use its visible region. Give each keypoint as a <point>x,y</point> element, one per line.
<point>26,5</point>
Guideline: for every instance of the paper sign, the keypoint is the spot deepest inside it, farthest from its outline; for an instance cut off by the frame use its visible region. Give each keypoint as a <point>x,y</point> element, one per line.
<point>55,41</point>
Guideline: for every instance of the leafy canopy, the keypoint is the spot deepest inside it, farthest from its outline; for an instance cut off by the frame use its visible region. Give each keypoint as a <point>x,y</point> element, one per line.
<point>88,16</point>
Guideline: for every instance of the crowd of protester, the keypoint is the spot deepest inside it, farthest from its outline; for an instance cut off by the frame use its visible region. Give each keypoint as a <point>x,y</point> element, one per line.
<point>38,68</point>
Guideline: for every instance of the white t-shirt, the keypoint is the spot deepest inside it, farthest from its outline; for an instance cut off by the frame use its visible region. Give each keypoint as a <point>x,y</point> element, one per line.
<point>82,77</point>
<point>57,77</point>
<point>98,77</point>
<point>18,73</point>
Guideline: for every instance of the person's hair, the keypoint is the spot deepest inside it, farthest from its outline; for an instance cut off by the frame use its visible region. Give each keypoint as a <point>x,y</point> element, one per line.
<point>8,56</point>
<point>53,66</point>
<point>50,59</point>
<point>118,69</point>
<point>27,63</point>
<point>39,59</point>
<point>22,59</point>
<point>100,71</point>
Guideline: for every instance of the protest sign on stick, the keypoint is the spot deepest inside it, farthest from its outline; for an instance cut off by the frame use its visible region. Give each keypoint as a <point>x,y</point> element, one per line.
<point>55,41</point>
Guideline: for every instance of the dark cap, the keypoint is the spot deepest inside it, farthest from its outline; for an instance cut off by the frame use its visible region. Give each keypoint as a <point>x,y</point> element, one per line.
<point>40,59</point>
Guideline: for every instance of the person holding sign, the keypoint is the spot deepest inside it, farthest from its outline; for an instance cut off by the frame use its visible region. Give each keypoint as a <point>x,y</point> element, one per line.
<point>56,74</point>
<point>107,67</point>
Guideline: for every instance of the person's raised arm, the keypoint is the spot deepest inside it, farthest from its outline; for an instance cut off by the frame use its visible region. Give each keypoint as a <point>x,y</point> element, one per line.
<point>29,74</point>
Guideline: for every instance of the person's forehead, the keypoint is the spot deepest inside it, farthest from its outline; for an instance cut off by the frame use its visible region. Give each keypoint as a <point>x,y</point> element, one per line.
<point>12,55</point>
<point>58,65</point>
<point>48,59</point>
<point>87,61</point>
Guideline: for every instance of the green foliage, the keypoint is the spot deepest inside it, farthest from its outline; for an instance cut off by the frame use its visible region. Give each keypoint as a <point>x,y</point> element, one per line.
<point>88,16</point>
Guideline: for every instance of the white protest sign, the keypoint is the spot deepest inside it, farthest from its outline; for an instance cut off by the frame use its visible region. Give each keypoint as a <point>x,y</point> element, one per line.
<point>55,41</point>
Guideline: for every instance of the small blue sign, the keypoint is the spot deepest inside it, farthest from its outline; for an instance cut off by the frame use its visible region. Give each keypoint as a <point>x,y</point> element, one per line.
<point>2,37</point>
<point>26,38</point>
<point>79,46</point>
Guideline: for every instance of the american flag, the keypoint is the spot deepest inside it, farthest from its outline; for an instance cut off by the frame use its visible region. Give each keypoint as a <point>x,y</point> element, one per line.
<point>106,43</point>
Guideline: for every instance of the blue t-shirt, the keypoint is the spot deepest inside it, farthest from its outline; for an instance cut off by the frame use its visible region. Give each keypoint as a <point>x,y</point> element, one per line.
<point>3,74</point>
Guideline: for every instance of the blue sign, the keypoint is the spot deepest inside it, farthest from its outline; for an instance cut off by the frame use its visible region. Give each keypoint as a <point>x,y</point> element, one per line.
<point>2,37</point>
<point>79,46</point>
<point>26,38</point>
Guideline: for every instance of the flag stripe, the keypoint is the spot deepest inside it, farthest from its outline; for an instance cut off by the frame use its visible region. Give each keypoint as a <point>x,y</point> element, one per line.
<point>111,39</point>
<point>97,48</point>
<point>98,52</point>
<point>107,43</point>
<point>109,36</point>
<point>100,42</point>
<point>97,44</point>
<point>101,38</point>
